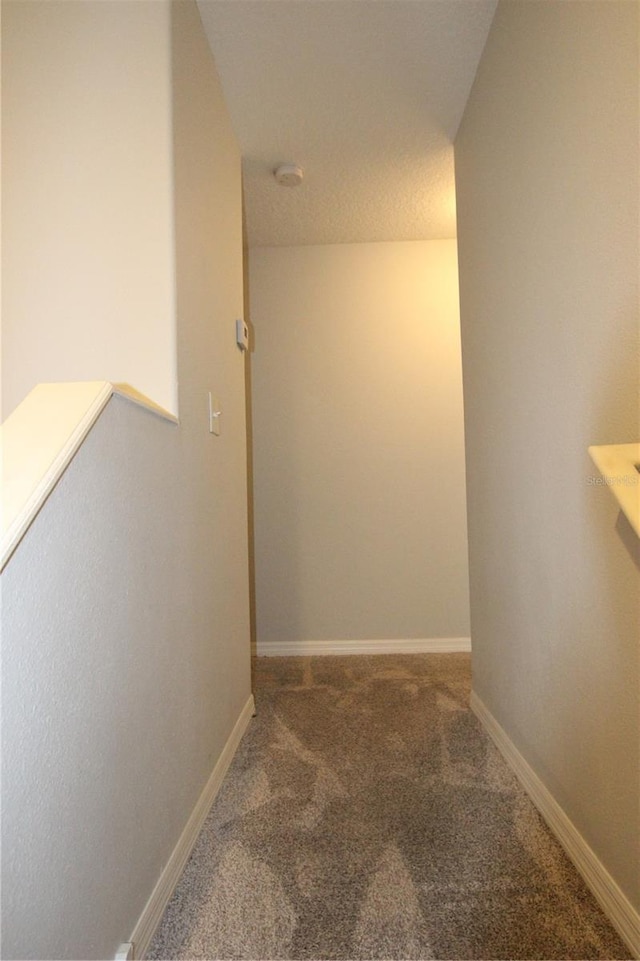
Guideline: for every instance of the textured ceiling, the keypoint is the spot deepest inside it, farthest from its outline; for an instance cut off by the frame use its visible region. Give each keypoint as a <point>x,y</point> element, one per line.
<point>366,95</point>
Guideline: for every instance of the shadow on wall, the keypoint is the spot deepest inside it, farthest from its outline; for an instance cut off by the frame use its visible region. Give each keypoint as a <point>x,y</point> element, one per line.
<point>629,538</point>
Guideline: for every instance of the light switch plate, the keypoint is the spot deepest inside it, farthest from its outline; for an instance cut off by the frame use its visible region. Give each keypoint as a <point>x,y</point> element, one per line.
<point>214,414</point>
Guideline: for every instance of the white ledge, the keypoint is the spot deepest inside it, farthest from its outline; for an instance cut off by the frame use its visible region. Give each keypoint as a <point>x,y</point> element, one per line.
<point>39,439</point>
<point>619,465</point>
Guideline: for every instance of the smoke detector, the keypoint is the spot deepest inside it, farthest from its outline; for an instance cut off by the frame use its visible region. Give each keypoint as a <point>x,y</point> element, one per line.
<point>289,175</point>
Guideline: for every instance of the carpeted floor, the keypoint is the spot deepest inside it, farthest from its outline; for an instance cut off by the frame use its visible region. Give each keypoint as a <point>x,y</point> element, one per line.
<point>366,815</point>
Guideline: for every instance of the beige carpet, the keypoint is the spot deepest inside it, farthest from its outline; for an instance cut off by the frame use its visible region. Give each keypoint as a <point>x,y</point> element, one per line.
<point>366,815</point>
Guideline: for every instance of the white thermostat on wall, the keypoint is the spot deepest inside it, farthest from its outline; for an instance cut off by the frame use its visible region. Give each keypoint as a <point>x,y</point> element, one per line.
<point>242,335</point>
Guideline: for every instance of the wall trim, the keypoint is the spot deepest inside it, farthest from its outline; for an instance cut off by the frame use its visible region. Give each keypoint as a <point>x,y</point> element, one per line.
<point>611,898</point>
<point>395,645</point>
<point>154,909</point>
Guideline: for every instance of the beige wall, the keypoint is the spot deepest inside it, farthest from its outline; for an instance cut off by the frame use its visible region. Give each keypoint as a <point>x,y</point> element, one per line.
<point>360,528</point>
<point>88,287</point>
<point>547,168</point>
<point>125,608</point>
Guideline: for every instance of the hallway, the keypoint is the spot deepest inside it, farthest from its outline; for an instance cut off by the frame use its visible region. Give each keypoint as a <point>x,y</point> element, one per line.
<point>367,815</point>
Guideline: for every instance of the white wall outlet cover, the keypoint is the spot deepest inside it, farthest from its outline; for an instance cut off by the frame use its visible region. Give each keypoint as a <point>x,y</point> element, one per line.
<point>125,952</point>
<point>242,334</point>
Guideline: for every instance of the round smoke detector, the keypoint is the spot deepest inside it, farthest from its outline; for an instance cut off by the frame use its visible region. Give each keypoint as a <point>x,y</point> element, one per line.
<point>289,175</point>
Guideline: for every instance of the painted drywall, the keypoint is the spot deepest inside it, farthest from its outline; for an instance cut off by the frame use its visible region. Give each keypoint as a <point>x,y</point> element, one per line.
<point>547,168</point>
<point>125,608</point>
<point>86,182</point>
<point>360,527</point>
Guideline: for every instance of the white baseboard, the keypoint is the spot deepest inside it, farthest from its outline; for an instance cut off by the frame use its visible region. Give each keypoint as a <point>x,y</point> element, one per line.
<point>395,645</point>
<point>612,900</point>
<point>154,909</point>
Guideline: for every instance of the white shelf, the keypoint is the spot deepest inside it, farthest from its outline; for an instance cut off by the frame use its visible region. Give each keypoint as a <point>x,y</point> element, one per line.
<point>619,465</point>
<point>39,439</point>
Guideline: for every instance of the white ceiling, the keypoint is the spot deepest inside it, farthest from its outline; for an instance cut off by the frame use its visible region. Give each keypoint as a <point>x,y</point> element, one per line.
<point>366,95</point>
